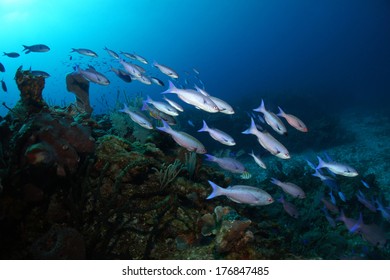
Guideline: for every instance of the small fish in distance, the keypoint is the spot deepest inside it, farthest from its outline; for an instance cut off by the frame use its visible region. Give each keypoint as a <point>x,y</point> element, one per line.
<point>4,86</point>
<point>166,70</point>
<point>112,53</point>
<point>11,54</point>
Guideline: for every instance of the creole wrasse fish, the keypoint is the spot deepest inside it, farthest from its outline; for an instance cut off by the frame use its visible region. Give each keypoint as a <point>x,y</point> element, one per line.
<point>218,135</point>
<point>242,194</point>
<point>92,75</point>
<point>268,142</point>
<point>271,119</point>
<point>183,139</point>
<point>137,117</point>
<point>337,168</point>
<point>85,52</point>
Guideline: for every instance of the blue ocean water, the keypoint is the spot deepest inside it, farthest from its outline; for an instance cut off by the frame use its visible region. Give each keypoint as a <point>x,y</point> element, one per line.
<point>336,50</point>
<point>327,62</point>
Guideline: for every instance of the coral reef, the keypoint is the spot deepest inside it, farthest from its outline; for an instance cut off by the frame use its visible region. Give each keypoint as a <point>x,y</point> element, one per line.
<point>80,87</point>
<point>76,186</point>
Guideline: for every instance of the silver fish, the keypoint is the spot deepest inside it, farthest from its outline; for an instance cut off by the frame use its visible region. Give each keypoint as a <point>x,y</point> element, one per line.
<point>128,55</point>
<point>258,160</point>
<point>174,104</point>
<point>140,59</point>
<point>289,188</point>
<point>163,107</point>
<point>112,53</point>
<point>183,139</point>
<point>337,168</point>
<point>194,98</point>
<point>222,105</point>
<point>157,81</point>
<point>130,68</point>
<point>166,70</point>
<point>226,163</point>
<point>271,119</point>
<point>86,52</point>
<point>218,135</point>
<point>137,117</point>
<point>242,194</point>
<point>122,74</point>
<point>268,142</point>
<point>93,76</point>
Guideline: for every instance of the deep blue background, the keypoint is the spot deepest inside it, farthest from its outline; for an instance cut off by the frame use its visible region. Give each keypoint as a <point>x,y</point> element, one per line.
<point>335,52</point>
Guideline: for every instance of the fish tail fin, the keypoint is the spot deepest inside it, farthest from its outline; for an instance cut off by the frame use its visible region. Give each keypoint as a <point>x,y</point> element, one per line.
<point>342,196</point>
<point>217,190</point>
<point>166,128</point>
<point>275,181</point>
<point>281,113</point>
<point>328,158</point>
<point>204,128</point>
<point>26,48</point>
<point>312,166</point>
<point>358,225</point>
<point>252,129</point>
<point>321,163</point>
<point>341,217</point>
<point>144,106</point>
<point>281,199</point>
<point>171,88</point>
<point>316,173</point>
<point>125,108</point>
<point>148,99</point>
<point>73,50</point>
<point>198,89</point>
<point>210,157</point>
<point>261,108</point>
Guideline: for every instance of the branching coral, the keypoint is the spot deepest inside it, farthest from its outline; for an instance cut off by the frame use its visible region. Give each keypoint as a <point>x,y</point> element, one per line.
<point>167,173</point>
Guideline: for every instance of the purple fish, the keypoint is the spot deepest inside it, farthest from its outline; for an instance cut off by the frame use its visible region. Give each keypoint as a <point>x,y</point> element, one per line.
<point>289,188</point>
<point>351,224</point>
<point>370,205</point>
<point>330,206</point>
<point>229,164</point>
<point>373,234</point>
<point>330,220</point>
<point>384,210</point>
<point>289,208</point>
